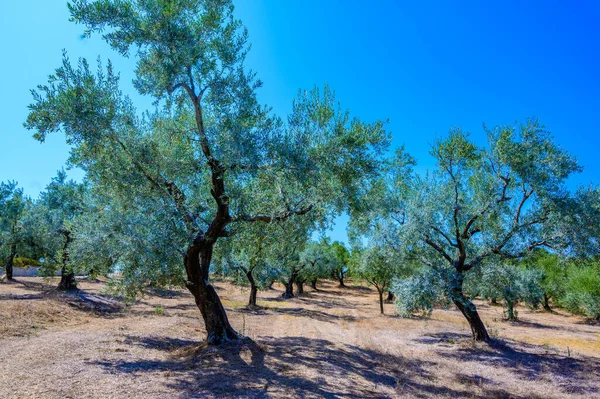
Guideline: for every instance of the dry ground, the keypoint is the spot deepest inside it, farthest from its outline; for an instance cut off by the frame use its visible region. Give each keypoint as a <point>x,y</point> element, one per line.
<point>331,343</point>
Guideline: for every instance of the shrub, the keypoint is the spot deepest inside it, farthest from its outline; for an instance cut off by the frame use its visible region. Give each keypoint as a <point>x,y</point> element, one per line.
<point>419,293</point>
<point>510,283</point>
<point>25,262</point>
<point>582,291</point>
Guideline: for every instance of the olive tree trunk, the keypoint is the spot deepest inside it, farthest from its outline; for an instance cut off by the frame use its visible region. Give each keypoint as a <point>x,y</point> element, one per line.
<point>380,291</point>
<point>313,284</point>
<point>9,261</point>
<point>546,303</point>
<point>341,280</point>
<point>468,310</point>
<point>390,297</point>
<point>253,288</point>
<point>289,287</point>
<point>67,277</point>
<point>510,311</point>
<point>197,263</point>
<point>300,286</point>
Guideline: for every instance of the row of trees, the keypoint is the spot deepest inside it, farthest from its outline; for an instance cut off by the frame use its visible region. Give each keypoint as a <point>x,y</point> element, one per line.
<point>212,180</point>
<point>41,229</point>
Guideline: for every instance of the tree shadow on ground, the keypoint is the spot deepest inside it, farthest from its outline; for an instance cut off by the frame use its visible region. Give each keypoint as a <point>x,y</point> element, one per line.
<point>531,362</point>
<point>21,297</point>
<point>328,303</point>
<point>298,312</point>
<point>294,367</point>
<point>77,299</point>
<point>532,324</point>
<point>93,303</point>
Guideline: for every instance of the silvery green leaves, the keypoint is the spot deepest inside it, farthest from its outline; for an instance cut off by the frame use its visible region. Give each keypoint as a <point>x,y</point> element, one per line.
<point>509,283</point>
<point>420,292</point>
<point>87,106</point>
<point>52,219</point>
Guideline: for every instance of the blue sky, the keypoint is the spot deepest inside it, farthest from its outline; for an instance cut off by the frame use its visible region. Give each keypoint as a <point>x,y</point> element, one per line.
<point>426,66</point>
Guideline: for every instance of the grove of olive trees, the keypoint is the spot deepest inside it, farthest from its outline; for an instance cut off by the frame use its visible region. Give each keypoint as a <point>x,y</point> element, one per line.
<point>211,197</point>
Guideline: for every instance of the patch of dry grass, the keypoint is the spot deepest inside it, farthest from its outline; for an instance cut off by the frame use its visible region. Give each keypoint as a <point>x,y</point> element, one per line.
<point>26,318</point>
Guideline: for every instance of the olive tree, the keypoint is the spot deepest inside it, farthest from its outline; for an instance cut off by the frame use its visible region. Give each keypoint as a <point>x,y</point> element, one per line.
<point>247,255</point>
<point>339,262</point>
<point>419,292</point>
<point>210,158</point>
<point>379,266</point>
<point>13,206</point>
<point>320,260</point>
<point>483,204</point>
<point>511,283</point>
<point>51,225</point>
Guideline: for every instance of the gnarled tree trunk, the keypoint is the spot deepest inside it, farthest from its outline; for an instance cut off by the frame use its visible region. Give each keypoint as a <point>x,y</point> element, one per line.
<point>390,297</point>
<point>340,278</point>
<point>289,287</point>
<point>510,311</point>
<point>300,286</point>
<point>197,264</point>
<point>546,303</point>
<point>9,261</point>
<point>313,284</point>
<point>253,288</point>
<point>468,310</point>
<point>67,278</point>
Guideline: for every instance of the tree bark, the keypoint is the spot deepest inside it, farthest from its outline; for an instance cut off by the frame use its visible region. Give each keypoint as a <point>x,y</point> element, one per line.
<point>510,311</point>
<point>468,309</point>
<point>313,284</point>
<point>253,288</point>
<point>390,297</point>
<point>67,278</point>
<point>341,279</point>
<point>380,291</point>
<point>300,286</point>
<point>546,303</point>
<point>289,287</point>
<point>9,262</point>
<point>197,264</point>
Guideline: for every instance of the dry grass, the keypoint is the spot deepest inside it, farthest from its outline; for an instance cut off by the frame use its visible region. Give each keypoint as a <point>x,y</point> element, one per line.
<point>326,344</point>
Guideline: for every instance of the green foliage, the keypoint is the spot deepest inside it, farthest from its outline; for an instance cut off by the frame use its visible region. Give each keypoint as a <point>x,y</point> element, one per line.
<point>50,222</point>
<point>26,262</point>
<point>420,293</point>
<point>510,283</point>
<point>554,272</point>
<point>15,239</point>
<point>378,265</point>
<point>210,159</point>
<point>582,290</point>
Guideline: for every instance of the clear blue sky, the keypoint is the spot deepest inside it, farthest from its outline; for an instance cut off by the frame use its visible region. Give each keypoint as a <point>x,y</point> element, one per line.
<point>426,66</point>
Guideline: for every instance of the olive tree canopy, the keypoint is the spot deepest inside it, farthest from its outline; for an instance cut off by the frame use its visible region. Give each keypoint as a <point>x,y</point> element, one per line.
<point>210,158</point>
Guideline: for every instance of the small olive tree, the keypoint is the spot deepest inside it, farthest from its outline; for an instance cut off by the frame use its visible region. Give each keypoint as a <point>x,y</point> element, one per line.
<point>510,283</point>
<point>420,292</point>
<point>50,223</point>
<point>379,266</point>
<point>13,236</point>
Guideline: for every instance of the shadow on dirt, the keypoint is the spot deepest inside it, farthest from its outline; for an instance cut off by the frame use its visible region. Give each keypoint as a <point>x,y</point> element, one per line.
<point>528,362</point>
<point>303,367</point>
<point>298,312</point>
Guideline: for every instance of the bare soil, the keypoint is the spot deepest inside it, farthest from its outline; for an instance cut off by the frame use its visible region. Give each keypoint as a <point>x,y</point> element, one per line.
<point>332,343</point>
